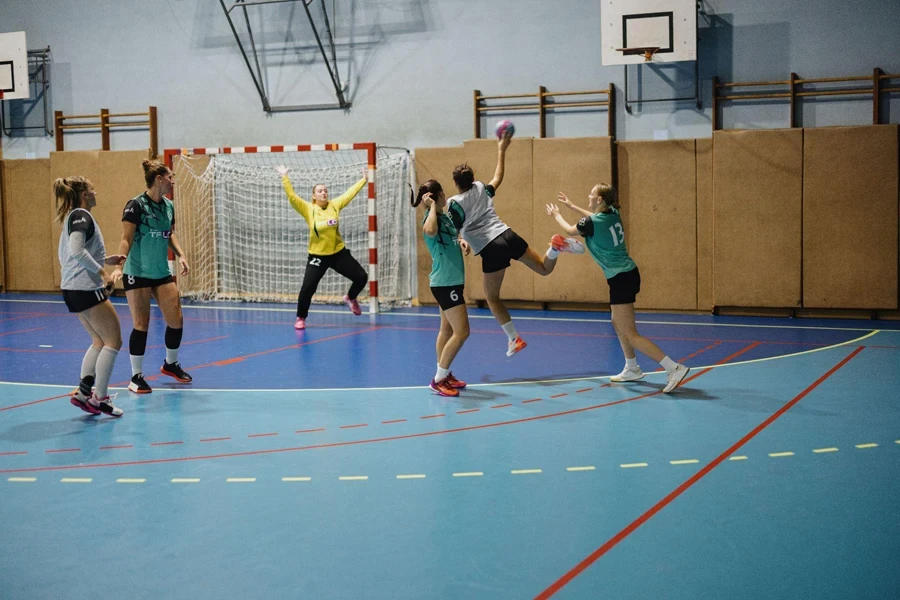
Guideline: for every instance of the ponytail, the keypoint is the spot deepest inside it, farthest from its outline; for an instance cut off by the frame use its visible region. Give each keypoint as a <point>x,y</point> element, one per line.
<point>608,194</point>
<point>68,191</point>
<point>432,186</point>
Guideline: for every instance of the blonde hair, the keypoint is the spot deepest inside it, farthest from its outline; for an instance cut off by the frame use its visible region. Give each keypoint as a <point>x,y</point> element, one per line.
<point>68,192</point>
<point>152,170</point>
<point>607,193</point>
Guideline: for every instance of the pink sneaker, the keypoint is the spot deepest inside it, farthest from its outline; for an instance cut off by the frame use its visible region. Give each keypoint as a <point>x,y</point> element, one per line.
<point>353,304</point>
<point>300,323</point>
<point>84,405</point>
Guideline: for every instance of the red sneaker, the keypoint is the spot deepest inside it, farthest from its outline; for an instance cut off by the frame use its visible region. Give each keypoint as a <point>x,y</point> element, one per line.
<point>353,304</point>
<point>516,345</point>
<point>300,323</point>
<point>443,388</point>
<point>455,383</point>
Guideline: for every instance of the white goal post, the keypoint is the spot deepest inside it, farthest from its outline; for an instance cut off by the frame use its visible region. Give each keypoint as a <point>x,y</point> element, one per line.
<point>245,242</point>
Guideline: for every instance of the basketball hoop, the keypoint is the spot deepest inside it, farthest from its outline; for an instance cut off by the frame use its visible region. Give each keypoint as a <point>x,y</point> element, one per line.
<point>647,51</point>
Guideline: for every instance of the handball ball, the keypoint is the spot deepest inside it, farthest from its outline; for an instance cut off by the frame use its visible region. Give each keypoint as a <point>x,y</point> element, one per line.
<point>503,126</point>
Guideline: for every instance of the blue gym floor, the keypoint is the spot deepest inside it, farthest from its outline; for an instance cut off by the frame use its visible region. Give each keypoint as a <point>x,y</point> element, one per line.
<point>317,464</point>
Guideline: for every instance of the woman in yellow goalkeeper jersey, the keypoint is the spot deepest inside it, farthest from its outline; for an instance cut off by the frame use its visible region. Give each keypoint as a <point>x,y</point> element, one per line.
<point>326,247</point>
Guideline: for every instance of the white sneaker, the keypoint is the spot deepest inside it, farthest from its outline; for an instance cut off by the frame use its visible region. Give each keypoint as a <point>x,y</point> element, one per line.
<point>106,406</point>
<point>628,374</point>
<point>675,377</point>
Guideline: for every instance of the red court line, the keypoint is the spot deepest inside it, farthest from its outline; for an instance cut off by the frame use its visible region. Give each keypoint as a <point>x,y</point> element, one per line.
<point>192,342</point>
<point>12,453</point>
<point>394,421</point>
<point>41,351</point>
<point>166,443</point>
<point>613,541</point>
<point>310,430</point>
<point>532,400</point>
<point>462,412</point>
<point>433,416</point>
<point>337,444</point>
<point>33,402</point>
<point>65,450</point>
<point>115,447</point>
<point>584,390</point>
<point>353,426</point>
<point>698,352</point>
<point>559,395</point>
<point>21,331</point>
<point>256,435</point>
<point>500,405</point>
<point>215,439</point>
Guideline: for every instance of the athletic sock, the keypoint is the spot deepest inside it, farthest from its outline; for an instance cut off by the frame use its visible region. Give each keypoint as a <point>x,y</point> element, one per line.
<point>441,374</point>
<point>667,363</point>
<point>104,370</point>
<point>552,253</point>
<point>631,363</point>
<point>89,362</point>
<point>510,330</point>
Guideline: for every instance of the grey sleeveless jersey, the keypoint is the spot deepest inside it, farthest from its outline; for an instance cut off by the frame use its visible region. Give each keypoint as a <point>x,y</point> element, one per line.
<point>74,275</point>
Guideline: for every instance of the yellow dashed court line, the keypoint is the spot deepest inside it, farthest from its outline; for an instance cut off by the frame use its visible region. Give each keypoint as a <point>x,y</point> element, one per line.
<point>354,478</point>
<point>22,479</point>
<point>412,476</point>
<point>525,471</point>
<point>863,446</point>
<point>470,474</point>
<point>823,450</point>
<point>131,480</point>
<point>240,480</point>
<point>296,478</point>
<point>737,458</point>
<point>633,465</point>
<point>689,461</point>
<point>587,468</point>
<point>185,480</point>
<point>75,480</point>
<point>780,454</point>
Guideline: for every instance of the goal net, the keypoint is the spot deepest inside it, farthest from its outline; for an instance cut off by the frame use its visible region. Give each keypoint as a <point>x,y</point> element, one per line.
<point>244,241</point>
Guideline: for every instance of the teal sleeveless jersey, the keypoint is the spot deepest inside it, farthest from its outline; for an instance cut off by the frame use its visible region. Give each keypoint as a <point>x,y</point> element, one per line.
<point>605,240</point>
<point>447,267</point>
<point>154,221</point>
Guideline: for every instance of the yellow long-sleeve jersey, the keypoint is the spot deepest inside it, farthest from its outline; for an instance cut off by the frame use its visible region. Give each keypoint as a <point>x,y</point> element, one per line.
<point>324,236</point>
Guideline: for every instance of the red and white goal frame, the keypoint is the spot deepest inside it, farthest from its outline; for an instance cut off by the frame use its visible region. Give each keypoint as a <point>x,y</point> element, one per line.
<point>368,147</point>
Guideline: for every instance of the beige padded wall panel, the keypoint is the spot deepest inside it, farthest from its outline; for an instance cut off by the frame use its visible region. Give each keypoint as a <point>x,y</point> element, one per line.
<point>850,217</point>
<point>513,204</point>
<point>572,166</point>
<point>2,242</point>
<point>120,179</point>
<point>437,163</point>
<point>658,193</point>
<point>704,225</point>
<point>757,189</point>
<point>65,164</point>
<point>30,245</point>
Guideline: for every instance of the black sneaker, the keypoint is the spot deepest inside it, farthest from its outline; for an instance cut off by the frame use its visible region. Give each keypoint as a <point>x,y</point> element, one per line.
<point>138,385</point>
<point>174,370</point>
<point>86,386</point>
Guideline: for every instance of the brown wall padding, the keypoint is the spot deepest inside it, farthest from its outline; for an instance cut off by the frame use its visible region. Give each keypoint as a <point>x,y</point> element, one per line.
<point>513,204</point>
<point>572,166</point>
<point>2,242</point>
<point>30,245</point>
<point>195,228</point>
<point>757,188</point>
<point>658,193</point>
<point>850,217</point>
<point>704,225</point>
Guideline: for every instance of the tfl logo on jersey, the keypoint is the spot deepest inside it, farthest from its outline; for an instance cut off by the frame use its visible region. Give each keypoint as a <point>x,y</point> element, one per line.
<point>161,234</point>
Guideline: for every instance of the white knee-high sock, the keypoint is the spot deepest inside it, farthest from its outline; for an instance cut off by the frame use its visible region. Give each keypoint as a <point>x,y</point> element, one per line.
<point>89,362</point>
<point>104,370</point>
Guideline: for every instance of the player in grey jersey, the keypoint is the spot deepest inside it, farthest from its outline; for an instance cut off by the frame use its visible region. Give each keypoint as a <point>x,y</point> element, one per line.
<point>85,287</point>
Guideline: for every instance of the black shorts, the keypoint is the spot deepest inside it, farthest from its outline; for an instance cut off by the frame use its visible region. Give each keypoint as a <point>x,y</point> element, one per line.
<point>624,287</point>
<point>448,296</point>
<point>80,300</point>
<point>497,255</point>
<point>130,282</point>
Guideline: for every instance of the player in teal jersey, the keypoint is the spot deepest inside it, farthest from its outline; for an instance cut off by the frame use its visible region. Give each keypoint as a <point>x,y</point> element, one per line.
<point>148,232</point>
<point>447,280</point>
<point>604,237</point>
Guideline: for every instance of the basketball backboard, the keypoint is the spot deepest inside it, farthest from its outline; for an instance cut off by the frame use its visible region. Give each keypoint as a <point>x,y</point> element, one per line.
<point>14,66</point>
<point>669,25</point>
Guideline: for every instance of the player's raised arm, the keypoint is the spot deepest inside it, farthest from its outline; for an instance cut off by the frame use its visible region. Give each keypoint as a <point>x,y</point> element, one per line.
<point>300,205</point>
<point>502,145</point>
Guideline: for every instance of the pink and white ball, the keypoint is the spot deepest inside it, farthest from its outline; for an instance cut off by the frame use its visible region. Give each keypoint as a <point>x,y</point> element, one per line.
<point>504,126</point>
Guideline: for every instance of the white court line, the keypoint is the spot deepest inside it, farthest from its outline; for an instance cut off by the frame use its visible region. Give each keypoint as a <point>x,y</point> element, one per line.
<point>488,317</point>
<point>471,385</point>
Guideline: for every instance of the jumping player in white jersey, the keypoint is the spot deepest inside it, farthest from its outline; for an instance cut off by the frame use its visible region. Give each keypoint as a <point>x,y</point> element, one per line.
<point>85,287</point>
<point>604,236</point>
<point>473,214</point>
